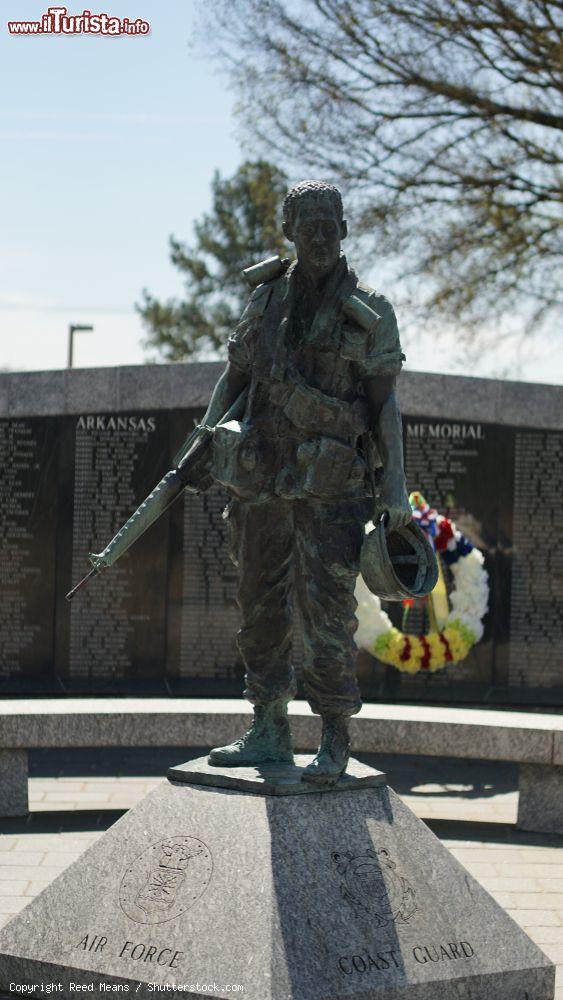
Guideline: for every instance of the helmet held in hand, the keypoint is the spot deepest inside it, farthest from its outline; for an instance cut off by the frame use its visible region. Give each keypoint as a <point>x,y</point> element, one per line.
<point>400,564</point>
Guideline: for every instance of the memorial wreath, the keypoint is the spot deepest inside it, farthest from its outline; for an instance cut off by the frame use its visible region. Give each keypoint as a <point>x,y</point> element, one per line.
<point>456,619</point>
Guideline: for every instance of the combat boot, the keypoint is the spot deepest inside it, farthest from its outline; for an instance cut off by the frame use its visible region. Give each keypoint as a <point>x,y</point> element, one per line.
<point>334,752</point>
<point>268,740</point>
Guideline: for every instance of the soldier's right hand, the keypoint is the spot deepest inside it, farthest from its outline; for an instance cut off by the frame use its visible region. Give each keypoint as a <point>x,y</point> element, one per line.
<point>194,466</point>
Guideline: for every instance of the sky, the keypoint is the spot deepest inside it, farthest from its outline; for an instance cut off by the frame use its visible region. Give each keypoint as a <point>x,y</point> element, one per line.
<point>107,146</point>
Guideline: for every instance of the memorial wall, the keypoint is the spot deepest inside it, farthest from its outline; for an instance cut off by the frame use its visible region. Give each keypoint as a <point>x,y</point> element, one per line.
<point>80,449</point>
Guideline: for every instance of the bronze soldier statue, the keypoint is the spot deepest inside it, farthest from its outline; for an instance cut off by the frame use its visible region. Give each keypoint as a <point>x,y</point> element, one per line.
<point>318,353</point>
<point>304,431</point>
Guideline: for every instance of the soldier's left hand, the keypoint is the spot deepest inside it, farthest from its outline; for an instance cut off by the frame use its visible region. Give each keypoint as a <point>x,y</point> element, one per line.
<point>394,501</point>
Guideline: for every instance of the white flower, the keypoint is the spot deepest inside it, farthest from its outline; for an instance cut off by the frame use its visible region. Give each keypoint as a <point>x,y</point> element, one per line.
<point>372,619</point>
<point>470,597</point>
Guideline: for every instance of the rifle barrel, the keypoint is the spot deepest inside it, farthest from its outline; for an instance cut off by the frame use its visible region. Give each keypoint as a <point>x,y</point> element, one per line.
<point>75,590</point>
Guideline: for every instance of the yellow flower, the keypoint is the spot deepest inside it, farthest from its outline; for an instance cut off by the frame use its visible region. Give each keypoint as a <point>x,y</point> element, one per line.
<point>459,640</point>
<point>389,647</point>
<point>437,651</point>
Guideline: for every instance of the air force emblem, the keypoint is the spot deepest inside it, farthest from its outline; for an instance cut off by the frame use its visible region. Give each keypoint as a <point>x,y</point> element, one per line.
<point>165,880</point>
<point>373,887</point>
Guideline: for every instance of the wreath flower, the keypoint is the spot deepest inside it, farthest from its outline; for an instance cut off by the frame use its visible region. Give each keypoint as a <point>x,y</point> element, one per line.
<point>456,628</point>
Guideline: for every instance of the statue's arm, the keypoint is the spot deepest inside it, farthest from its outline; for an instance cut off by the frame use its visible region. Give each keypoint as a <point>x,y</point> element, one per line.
<point>228,389</point>
<point>234,380</point>
<point>386,428</point>
<point>237,374</point>
<point>226,392</point>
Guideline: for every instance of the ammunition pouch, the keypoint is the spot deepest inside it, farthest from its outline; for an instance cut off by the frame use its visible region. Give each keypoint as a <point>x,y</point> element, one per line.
<point>319,460</point>
<point>329,469</point>
<point>313,411</point>
<point>241,462</point>
<point>324,469</point>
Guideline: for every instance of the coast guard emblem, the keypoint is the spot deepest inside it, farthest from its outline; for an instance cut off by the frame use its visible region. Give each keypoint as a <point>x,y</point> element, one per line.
<point>373,887</point>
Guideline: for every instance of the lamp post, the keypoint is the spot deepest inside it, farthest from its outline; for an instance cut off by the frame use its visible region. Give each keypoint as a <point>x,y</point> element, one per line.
<point>75,328</point>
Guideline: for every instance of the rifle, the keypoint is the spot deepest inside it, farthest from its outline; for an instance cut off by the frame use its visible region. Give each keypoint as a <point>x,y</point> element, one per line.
<point>162,497</point>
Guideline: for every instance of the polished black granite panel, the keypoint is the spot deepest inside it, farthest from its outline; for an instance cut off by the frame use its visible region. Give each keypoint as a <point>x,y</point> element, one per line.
<point>28,547</point>
<point>165,617</point>
<point>465,470</point>
<point>114,632</point>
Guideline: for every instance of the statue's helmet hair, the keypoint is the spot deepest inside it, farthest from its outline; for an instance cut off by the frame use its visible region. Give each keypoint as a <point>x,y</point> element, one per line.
<point>311,191</point>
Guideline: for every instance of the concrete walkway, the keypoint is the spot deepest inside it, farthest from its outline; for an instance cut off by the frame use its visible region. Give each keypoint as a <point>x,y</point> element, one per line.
<point>471,806</point>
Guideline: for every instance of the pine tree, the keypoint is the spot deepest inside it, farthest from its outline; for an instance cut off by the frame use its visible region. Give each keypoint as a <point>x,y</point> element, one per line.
<point>243,227</point>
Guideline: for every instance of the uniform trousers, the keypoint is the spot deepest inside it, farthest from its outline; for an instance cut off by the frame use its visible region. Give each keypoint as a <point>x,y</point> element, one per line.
<point>301,554</point>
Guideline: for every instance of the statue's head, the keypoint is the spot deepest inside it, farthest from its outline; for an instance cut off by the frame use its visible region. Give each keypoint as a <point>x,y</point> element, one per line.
<point>313,221</point>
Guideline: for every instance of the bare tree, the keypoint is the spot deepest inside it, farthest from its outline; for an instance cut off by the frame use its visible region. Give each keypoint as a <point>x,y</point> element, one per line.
<point>442,118</point>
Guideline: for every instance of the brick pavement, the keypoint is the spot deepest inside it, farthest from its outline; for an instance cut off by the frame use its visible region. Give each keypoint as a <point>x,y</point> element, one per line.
<point>469,806</point>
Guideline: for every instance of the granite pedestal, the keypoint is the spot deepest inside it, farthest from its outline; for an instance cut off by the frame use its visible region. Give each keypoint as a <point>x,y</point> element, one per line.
<point>322,895</point>
<point>272,779</point>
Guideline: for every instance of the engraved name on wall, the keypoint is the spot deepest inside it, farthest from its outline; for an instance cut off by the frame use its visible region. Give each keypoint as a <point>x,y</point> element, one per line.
<point>536,611</point>
<point>27,545</point>
<point>117,622</point>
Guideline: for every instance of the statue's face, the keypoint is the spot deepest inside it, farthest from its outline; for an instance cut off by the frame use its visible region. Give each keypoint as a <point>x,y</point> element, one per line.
<point>317,233</point>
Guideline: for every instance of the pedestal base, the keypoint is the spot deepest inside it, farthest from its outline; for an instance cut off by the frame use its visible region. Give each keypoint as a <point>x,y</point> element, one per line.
<point>273,779</point>
<point>319,896</point>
